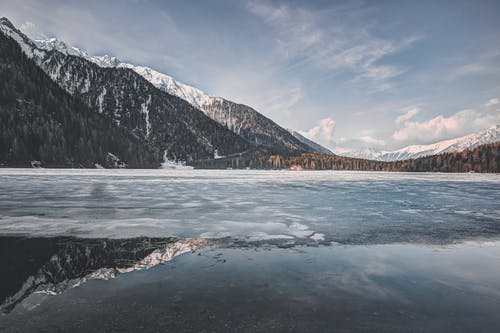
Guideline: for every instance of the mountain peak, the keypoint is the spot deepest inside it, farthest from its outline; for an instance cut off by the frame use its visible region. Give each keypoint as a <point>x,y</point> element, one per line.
<point>5,21</point>
<point>56,44</point>
<point>106,61</point>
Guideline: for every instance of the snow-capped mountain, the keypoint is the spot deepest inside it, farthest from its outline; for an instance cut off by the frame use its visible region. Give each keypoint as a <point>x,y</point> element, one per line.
<point>241,119</point>
<point>167,83</point>
<point>165,121</point>
<point>164,82</point>
<point>489,135</point>
<point>364,153</point>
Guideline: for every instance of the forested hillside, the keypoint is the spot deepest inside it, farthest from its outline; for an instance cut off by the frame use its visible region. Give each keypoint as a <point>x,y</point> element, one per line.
<point>167,122</point>
<point>40,121</point>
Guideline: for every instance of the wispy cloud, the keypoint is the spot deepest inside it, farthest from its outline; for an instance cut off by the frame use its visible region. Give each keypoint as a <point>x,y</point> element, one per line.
<point>339,46</point>
<point>487,63</point>
<point>473,69</point>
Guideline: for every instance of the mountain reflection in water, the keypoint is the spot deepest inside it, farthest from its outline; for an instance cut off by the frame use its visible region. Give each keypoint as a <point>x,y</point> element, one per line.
<point>51,265</point>
<point>231,285</point>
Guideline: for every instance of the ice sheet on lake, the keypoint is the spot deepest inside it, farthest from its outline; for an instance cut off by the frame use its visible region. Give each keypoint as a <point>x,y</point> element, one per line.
<point>345,207</point>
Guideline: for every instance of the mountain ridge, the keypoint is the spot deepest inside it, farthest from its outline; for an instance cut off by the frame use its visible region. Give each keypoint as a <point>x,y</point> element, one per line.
<point>175,127</point>
<point>469,141</point>
<point>241,119</point>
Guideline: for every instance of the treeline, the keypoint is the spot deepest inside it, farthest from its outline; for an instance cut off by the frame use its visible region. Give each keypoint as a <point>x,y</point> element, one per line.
<point>40,121</point>
<point>485,158</point>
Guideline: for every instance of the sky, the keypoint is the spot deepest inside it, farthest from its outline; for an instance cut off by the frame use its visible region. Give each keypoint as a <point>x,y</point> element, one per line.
<point>347,74</point>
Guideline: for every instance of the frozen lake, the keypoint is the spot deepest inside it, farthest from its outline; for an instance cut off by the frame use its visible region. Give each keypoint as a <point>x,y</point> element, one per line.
<point>343,207</point>
<point>197,250</point>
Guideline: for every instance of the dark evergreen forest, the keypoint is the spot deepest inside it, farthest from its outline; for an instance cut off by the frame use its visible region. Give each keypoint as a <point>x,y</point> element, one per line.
<point>40,121</point>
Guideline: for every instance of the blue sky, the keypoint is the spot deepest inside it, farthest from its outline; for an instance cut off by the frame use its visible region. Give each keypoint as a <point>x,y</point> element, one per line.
<point>348,74</point>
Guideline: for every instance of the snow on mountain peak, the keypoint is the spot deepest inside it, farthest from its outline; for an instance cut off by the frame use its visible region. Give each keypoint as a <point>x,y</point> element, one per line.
<point>36,49</point>
<point>164,82</point>
<point>194,96</point>
<point>105,61</point>
<point>58,45</point>
<point>24,42</point>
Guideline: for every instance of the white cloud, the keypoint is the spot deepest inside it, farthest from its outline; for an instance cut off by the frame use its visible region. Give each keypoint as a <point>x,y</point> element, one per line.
<point>367,142</point>
<point>442,127</point>
<point>322,133</point>
<point>407,115</point>
<point>340,45</point>
<point>491,102</point>
<point>371,140</point>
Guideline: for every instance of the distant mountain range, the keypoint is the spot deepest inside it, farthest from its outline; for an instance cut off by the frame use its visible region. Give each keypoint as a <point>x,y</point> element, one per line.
<point>471,141</point>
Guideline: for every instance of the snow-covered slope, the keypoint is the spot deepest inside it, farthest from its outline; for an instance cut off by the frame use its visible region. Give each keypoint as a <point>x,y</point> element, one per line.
<point>166,83</point>
<point>58,45</point>
<point>162,81</point>
<point>241,119</point>
<point>489,135</point>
